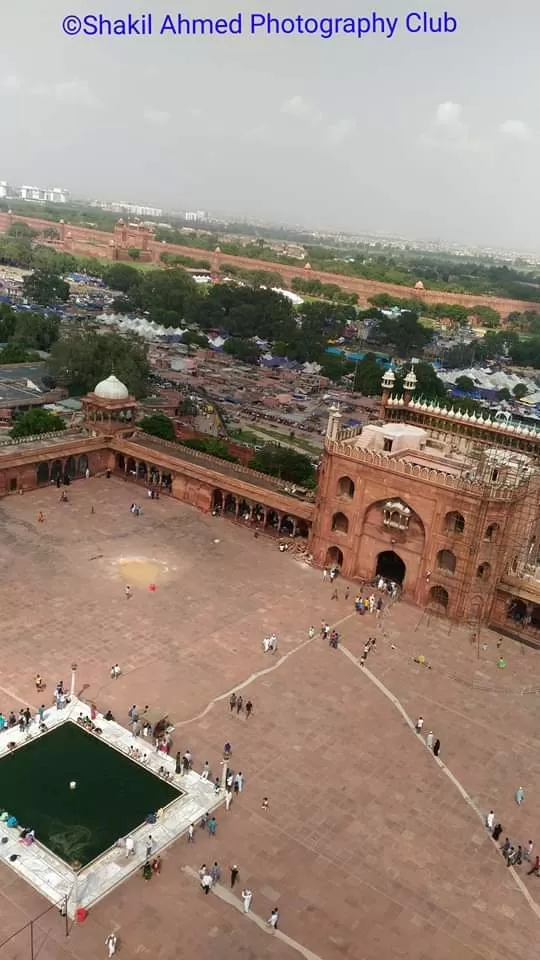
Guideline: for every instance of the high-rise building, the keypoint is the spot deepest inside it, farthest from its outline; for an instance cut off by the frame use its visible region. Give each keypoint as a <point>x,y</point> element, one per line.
<point>41,195</point>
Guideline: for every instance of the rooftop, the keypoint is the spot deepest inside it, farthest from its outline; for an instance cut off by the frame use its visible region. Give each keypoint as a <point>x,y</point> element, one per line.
<point>196,457</point>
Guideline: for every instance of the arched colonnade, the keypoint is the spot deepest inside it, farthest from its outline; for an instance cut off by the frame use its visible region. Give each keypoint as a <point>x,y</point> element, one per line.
<point>50,471</point>
<point>144,472</point>
<point>258,514</point>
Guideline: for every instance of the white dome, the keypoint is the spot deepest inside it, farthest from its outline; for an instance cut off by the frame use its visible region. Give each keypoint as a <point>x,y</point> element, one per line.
<point>112,389</point>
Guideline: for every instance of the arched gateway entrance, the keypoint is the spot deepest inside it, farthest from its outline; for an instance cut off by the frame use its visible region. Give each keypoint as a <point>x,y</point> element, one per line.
<point>391,567</point>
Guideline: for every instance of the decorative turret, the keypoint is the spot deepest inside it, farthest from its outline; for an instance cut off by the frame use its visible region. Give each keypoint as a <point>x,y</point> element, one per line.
<point>334,423</point>
<point>389,379</point>
<point>387,383</point>
<point>409,384</point>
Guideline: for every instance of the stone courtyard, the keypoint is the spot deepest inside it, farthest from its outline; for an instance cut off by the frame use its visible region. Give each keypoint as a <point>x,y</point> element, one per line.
<point>370,848</point>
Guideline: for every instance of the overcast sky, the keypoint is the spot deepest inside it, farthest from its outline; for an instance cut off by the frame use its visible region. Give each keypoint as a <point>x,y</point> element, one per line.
<point>427,136</point>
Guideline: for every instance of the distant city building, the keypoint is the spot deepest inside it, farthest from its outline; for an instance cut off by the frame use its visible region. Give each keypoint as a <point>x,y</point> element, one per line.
<point>41,195</point>
<point>4,189</point>
<point>196,215</point>
<point>132,209</point>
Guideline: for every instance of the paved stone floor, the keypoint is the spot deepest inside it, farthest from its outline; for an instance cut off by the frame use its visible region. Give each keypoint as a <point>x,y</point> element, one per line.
<point>367,848</point>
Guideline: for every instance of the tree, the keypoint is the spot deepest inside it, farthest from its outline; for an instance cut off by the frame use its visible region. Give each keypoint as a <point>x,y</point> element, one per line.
<point>45,288</point>
<point>504,394</point>
<point>51,233</point>
<point>405,333</point>
<point>520,391</point>
<point>169,290</point>
<point>368,375</point>
<point>158,425</point>
<point>193,339</point>
<point>121,276</point>
<point>211,446</point>
<point>283,462</point>
<point>36,421</point>
<point>335,367</point>
<point>134,253</point>
<point>83,357</point>
<point>15,353</point>
<point>36,332</point>
<point>487,316</point>
<point>466,384</point>
<point>21,231</point>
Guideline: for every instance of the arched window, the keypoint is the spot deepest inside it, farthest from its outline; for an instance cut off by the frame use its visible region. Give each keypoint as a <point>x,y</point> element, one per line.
<point>446,561</point>
<point>484,571</point>
<point>439,596</point>
<point>340,523</point>
<point>454,522</point>
<point>345,487</point>
<point>492,533</point>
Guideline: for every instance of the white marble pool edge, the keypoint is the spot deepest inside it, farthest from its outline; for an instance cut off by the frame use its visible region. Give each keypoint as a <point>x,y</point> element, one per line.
<point>53,878</point>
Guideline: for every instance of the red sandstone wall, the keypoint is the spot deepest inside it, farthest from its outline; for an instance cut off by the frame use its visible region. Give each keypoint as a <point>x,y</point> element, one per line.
<point>101,247</point>
<point>418,548</point>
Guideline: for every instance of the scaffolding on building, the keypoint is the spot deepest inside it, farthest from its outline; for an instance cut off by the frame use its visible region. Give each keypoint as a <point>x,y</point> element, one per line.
<point>496,539</point>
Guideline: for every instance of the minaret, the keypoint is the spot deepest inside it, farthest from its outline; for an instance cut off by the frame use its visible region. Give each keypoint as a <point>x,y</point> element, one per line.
<point>409,385</point>
<point>334,421</point>
<point>387,383</point>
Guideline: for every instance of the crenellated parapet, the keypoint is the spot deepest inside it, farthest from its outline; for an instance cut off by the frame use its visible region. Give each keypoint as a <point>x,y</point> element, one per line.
<point>440,478</point>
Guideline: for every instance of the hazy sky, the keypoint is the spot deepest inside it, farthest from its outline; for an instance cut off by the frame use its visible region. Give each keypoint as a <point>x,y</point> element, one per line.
<point>427,136</point>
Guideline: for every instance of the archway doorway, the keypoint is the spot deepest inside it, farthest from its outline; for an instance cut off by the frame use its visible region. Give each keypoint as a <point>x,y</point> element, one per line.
<point>334,557</point>
<point>391,567</point>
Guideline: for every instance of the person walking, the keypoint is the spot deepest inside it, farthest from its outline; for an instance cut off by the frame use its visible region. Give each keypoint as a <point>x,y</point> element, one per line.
<point>234,875</point>
<point>527,854</point>
<point>191,834</point>
<point>520,796</point>
<point>436,747</point>
<point>247,897</point>
<point>205,771</point>
<point>497,831</point>
<point>249,708</point>
<point>273,920</point>
<point>490,820</point>
<point>419,724</point>
<point>239,782</point>
<point>535,867</point>
<point>239,705</point>
<point>212,824</point>
<point>429,740</point>
<point>110,943</point>
<point>228,799</point>
<point>206,882</point>
<point>215,873</point>
<point>232,702</point>
<point>149,845</point>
